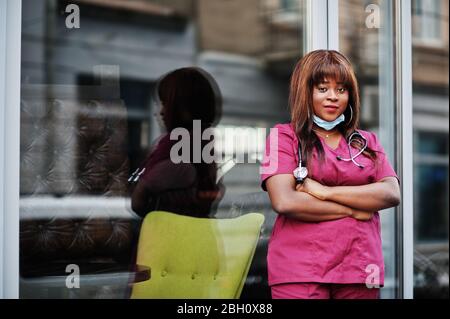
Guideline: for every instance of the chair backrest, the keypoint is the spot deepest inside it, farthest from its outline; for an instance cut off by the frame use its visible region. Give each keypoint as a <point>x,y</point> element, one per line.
<point>196,258</point>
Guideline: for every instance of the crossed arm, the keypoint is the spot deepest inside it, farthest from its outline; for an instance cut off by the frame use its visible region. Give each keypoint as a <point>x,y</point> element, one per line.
<point>315,202</point>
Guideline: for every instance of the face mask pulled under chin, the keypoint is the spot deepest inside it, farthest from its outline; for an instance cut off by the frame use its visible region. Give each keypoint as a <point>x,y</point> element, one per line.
<point>328,125</point>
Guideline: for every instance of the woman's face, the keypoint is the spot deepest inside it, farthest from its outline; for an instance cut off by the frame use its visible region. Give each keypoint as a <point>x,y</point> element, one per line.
<point>160,116</point>
<point>330,99</point>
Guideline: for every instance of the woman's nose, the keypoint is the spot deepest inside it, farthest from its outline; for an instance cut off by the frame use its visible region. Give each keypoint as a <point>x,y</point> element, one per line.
<point>332,96</point>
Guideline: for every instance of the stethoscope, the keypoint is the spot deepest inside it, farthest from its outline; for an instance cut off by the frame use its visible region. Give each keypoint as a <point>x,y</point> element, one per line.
<point>134,178</point>
<point>301,172</point>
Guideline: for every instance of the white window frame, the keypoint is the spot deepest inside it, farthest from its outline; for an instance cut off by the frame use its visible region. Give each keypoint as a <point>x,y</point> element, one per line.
<point>10,44</point>
<point>322,35</point>
<point>405,143</point>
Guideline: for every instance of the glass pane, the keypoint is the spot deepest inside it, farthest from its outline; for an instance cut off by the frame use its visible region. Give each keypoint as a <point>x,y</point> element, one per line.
<point>366,37</point>
<point>431,179</point>
<point>433,191</point>
<point>91,116</point>
<point>432,143</point>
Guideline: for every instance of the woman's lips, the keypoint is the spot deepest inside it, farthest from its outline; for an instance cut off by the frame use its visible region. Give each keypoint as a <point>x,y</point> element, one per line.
<point>331,108</point>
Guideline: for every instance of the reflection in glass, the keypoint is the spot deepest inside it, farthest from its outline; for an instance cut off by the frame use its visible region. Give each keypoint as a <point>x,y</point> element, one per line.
<point>87,119</point>
<point>180,175</point>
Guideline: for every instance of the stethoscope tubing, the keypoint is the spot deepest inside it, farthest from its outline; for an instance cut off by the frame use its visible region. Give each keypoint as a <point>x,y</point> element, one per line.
<point>338,157</point>
<point>353,157</point>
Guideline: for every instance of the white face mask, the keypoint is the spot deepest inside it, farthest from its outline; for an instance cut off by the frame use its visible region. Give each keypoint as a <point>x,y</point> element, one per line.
<point>328,125</point>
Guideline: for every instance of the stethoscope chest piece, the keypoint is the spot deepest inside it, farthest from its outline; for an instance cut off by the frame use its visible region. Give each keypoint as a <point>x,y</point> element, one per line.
<point>300,173</point>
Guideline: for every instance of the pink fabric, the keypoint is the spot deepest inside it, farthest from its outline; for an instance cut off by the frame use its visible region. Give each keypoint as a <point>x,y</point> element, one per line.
<point>324,291</point>
<point>344,251</point>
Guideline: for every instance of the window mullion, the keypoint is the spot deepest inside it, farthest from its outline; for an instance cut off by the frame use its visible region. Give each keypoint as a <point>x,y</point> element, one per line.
<point>10,42</point>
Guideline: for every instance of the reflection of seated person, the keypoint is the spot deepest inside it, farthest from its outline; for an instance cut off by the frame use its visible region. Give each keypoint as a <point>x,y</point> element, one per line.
<point>185,95</point>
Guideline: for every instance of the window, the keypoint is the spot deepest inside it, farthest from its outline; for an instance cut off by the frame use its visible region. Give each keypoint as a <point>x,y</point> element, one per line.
<point>253,63</point>
<point>286,12</point>
<point>431,182</point>
<point>431,150</point>
<point>371,52</point>
<point>289,5</point>
<point>85,130</point>
<point>427,17</point>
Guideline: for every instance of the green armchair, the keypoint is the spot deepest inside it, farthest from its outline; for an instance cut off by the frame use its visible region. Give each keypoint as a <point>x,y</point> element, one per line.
<point>196,258</point>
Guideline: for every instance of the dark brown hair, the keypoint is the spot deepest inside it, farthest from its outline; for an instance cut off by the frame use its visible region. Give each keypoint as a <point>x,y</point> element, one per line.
<point>189,94</point>
<point>312,70</point>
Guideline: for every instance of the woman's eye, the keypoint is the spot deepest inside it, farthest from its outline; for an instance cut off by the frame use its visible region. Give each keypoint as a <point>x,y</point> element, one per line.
<point>341,90</point>
<point>322,90</point>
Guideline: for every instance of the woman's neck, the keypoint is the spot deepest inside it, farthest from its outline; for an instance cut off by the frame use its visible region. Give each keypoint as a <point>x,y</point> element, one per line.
<point>324,132</point>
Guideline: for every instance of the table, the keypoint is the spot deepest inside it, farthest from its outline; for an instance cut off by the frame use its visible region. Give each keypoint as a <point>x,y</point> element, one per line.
<point>93,280</point>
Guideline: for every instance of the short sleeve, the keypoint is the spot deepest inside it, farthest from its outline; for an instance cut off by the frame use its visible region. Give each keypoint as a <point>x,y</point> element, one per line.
<point>383,166</point>
<point>279,155</point>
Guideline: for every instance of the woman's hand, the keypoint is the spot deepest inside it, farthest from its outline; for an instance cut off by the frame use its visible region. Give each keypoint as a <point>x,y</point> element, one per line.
<point>361,215</point>
<point>313,188</point>
<point>321,192</point>
<point>371,197</point>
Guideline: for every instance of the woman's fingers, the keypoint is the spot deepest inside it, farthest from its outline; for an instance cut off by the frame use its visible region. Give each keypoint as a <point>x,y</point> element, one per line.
<point>361,215</point>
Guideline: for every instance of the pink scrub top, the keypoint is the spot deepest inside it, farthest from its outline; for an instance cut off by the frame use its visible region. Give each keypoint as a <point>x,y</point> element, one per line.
<point>340,251</point>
